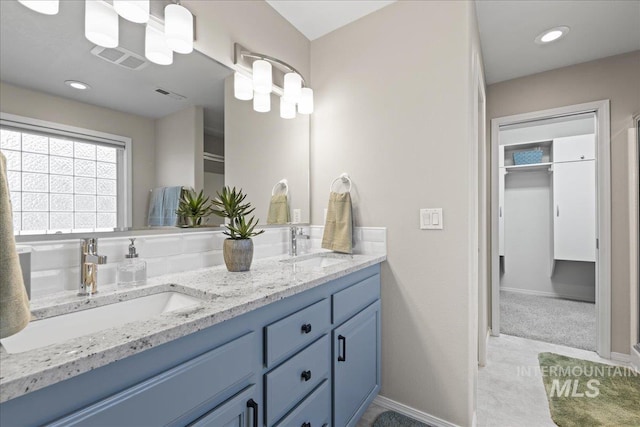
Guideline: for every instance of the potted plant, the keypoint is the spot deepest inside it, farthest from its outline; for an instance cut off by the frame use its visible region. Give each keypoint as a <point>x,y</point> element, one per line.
<point>193,207</point>
<point>238,248</point>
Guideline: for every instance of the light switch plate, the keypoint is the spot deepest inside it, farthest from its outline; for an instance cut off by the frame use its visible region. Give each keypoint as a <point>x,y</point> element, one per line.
<point>297,216</point>
<point>431,219</point>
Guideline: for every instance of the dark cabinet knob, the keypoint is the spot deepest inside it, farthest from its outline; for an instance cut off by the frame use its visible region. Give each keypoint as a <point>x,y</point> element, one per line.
<point>306,375</point>
<point>306,328</point>
<point>306,425</point>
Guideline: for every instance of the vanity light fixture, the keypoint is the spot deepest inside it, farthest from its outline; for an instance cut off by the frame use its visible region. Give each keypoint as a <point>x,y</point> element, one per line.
<point>101,23</point>
<point>48,7</point>
<point>552,34</point>
<point>269,74</point>
<point>77,85</point>
<point>242,87</point>
<point>262,102</point>
<point>162,38</point>
<point>133,10</point>
<point>156,48</point>
<point>178,28</point>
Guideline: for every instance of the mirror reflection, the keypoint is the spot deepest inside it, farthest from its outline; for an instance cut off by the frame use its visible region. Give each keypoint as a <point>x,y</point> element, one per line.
<point>90,159</point>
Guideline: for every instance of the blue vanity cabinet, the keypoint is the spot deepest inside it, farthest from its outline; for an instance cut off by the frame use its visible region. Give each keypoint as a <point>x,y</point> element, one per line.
<point>175,397</point>
<point>241,410</point>
<point>311,359</point>
<point>356,350</point>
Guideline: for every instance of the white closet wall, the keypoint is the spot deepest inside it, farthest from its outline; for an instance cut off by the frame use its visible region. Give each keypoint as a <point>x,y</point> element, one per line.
<point>531,241</point>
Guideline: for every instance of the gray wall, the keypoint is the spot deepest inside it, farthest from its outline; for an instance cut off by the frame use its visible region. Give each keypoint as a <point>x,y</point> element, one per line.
<point>179,148</point>
<point>614,78</point>
<point>260,149</point>
<point>39,105</point>
<point>394,99</point>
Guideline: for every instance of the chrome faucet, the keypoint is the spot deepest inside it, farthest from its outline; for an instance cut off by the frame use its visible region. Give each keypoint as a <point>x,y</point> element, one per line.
<point>296,233</point>
<point>89,261</point>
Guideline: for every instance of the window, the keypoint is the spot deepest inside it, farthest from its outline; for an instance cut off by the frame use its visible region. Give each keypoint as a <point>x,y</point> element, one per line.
<point>61,181</point>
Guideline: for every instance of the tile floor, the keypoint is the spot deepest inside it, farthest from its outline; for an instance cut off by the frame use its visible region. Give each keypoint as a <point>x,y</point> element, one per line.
<point>507,395</point>
<point>370,415</point>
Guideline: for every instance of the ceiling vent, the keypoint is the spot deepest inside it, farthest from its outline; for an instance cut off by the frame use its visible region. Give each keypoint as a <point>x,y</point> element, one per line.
<point>170,94</point>
<point>120,56</point>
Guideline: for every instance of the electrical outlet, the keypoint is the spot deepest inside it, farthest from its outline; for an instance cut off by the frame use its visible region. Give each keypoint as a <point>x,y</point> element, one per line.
<point>297,216</point>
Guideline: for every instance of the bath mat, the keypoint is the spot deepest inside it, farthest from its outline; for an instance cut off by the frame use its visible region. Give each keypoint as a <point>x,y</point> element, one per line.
<point>584,394</point>
<point>394,419</point>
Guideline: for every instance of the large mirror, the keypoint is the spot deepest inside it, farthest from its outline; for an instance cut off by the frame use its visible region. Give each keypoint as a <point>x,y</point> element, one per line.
<point>180,126</point>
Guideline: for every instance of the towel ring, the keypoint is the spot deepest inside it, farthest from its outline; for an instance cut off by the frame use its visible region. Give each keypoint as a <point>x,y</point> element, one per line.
<point>344,177</point>
<point>284,183</point>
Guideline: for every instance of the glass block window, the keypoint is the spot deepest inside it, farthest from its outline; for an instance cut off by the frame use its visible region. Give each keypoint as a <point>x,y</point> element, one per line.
<point>61,184</point>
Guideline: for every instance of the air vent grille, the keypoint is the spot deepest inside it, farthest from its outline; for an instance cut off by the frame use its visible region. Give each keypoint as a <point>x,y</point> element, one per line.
<point>120,56</point>
<point>170,94</point>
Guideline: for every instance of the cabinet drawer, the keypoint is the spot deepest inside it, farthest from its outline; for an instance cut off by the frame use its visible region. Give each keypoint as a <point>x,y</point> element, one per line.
<point>295,331</point>
<point>181,388</point>
<point>294,379</point>
<point>349,301</point>
<point>574,148</point>
<point>314,411</point>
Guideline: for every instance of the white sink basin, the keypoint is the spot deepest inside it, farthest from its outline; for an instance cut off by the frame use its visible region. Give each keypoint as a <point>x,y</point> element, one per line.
<point>52,330</point>
<point>316,261</point>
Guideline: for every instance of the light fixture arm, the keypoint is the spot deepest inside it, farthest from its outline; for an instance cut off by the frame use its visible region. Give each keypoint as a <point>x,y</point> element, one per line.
<point>244,58</point>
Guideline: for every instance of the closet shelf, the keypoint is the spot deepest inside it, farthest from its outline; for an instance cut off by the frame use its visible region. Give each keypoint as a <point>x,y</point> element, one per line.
<point>530,167</point>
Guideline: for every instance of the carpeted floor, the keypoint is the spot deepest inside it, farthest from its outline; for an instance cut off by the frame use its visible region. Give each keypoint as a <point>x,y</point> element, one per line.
<point>554,320</point>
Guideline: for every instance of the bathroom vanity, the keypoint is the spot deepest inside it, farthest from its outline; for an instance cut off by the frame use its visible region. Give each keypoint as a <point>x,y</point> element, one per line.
<point>286,344</point>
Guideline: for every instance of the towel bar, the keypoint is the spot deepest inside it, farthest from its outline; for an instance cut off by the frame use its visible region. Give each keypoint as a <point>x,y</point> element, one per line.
<point>344,177</point>
<point>284,183</point>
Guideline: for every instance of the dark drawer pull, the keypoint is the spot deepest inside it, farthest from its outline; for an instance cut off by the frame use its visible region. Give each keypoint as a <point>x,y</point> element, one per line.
<point>306,328</point>
<point>342,357</point>
<point>254,407</point>
<point>306,375</point>
<point>307,424</point>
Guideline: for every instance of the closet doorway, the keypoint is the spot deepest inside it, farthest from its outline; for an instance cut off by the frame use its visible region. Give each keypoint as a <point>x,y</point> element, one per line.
<point>550,240</point>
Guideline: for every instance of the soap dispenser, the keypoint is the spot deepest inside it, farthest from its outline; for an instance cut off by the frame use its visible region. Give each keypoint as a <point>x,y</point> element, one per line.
<point>132,271</point>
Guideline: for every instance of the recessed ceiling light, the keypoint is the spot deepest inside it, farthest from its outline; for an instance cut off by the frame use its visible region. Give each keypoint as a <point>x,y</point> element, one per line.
<point>77,85</point>
<point>552,34</point>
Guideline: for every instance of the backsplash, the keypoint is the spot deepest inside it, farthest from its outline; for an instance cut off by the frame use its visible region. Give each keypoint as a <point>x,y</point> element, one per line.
<point>55,265</point>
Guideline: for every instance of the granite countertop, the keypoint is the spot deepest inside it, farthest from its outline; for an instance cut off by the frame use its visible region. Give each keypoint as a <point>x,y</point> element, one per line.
<point>224,295</point>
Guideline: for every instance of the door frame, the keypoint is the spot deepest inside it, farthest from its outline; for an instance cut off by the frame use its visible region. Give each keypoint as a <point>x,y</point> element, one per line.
<point>603,210</point>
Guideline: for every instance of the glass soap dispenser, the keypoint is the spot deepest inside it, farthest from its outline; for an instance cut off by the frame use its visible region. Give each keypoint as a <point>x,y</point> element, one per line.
<point>132,271</point>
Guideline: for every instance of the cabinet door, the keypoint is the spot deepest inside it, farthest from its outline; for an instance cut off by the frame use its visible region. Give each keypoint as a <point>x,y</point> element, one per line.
<point>356,365</point>
<point>239,411</point>
<point>501,181</point>
<point>574,148</point>
<point>574,196</point>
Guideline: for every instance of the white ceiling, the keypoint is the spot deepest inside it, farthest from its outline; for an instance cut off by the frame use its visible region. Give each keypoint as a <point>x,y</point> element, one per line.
<point>508,29</point>
<point>599,28</point>
<point>315,18</point>
<point>40,52</point>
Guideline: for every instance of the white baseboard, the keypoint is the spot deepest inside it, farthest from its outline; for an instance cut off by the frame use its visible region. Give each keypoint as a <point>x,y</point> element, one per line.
<point>620,357</point>
<point>545,294</point>
<point>411,412</point>
<point>634,358</point>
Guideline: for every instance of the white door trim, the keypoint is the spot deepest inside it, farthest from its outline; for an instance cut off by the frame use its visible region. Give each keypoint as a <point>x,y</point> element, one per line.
<point>603,226</point>
<point>480,117</point>
<point>633,240</point>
